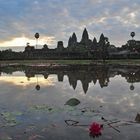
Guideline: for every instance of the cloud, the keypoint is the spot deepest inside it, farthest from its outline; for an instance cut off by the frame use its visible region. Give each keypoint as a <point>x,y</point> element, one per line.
<point>58,19</point>
<point>22,41</point>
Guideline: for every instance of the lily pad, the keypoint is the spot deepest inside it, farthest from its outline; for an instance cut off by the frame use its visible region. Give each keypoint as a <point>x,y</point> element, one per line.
<point>40,107</point>
<point>72,102</point>
<point>45,108</point>
<point>10,118</point>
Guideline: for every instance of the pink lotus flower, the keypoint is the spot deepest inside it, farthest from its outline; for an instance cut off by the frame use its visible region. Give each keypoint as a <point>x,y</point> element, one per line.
<point>95,129</point>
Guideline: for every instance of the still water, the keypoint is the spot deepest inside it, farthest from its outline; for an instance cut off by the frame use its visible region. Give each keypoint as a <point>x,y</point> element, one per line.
<point>40,103</point>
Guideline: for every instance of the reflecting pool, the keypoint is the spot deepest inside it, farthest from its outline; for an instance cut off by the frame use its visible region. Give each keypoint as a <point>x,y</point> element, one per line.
<point>40,102</point>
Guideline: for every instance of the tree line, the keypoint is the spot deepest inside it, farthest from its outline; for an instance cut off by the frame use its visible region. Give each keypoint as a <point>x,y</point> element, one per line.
<point>85,49</point>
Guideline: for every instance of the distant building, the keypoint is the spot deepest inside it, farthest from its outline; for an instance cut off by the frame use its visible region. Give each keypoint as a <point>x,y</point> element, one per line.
<point>133,43</point>
<point>29,48</point>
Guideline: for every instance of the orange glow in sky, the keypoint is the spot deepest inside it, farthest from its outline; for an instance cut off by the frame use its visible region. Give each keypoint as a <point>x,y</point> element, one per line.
<point>24,81</point>
<point>22,41</point>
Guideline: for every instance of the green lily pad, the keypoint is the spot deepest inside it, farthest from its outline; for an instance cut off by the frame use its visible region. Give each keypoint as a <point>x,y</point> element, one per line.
<point>39,107</point>
<point>45,108</point>
<point>10,118</point>
<point>72,102</point>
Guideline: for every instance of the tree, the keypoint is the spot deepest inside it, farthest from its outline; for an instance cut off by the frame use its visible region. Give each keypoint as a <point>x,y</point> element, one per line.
<point>105,48</point>
<point>36,36</point>
<point>27,44</point>
<point>132,34</point>
<point>45,46</point>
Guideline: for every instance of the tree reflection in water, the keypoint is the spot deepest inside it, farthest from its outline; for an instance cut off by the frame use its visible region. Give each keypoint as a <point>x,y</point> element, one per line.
<point>37,87</point>
<point>84,73</point>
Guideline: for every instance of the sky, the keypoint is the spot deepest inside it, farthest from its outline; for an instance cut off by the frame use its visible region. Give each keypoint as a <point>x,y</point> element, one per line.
<point>56,20</point>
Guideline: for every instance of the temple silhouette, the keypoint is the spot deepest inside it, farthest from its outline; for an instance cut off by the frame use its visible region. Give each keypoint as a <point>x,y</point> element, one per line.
<point>83,73</point>
<point>86,48</point>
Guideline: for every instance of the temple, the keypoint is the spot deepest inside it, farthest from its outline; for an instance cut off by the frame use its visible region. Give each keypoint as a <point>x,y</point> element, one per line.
<point>86,48</point>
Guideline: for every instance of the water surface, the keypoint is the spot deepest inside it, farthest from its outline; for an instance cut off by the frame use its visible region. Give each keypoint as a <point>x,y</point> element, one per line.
<point>36,102</point>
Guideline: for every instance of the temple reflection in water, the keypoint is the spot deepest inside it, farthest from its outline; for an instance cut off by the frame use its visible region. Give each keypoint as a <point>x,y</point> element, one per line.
<point>85,74</point>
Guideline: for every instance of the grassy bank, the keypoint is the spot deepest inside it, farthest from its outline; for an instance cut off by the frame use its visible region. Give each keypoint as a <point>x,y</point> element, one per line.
<point>63,62</point>
<point>74,62</point>
<point>124,62</point>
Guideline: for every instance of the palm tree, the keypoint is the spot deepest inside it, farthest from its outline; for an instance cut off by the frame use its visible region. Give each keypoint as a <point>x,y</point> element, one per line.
<point>132,34</point>
<point>36,36</point>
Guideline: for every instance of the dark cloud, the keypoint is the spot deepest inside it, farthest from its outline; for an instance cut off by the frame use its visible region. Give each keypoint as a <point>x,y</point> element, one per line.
<point>59,18</point>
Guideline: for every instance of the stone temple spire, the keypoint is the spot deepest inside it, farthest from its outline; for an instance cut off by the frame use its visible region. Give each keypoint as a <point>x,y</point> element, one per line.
<point>85,36</point>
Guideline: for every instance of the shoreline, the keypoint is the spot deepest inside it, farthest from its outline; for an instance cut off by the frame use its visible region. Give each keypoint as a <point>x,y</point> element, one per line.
<point>49,63</point>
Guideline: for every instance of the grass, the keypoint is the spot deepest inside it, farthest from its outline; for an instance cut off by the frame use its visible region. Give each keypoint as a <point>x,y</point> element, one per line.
<point>125,62</point>
<point>67,62</point>
<point>64,62</point>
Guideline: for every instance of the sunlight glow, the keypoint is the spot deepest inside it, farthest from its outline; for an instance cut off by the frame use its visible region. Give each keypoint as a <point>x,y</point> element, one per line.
<point>22,41</point>
<point>24,81</point>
